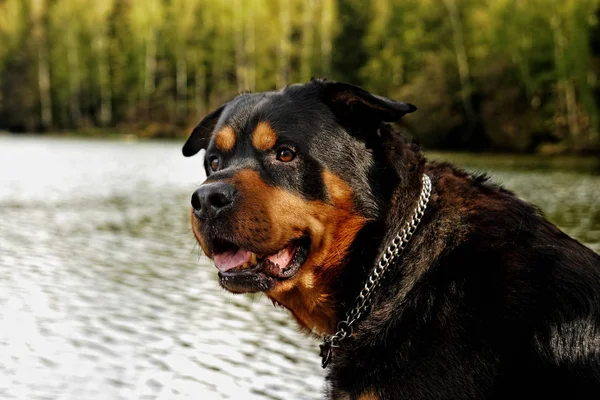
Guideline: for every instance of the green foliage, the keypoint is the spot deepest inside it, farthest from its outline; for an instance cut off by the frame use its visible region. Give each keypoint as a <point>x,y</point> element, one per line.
<point>517,75</point>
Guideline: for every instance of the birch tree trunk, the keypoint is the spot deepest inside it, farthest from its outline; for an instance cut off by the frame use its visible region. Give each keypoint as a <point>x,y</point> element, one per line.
<point>105,116</point>
<point>241,72</point>
<point>180,83</point>
<point>250,33</point>
<point>74,77</point>
<point>38,9</point>
<point>283,51</point>
<point>150,73</point>
<point>326,36</point>
<point>44,85</point>
<point>571,100</point>
<point>461,59</point>
<point>200,85</point>
<point>307,40</point>
<point>565,87</point>
<point>218,73</point>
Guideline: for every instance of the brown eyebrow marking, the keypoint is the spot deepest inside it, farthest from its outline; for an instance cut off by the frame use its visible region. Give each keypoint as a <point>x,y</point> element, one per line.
<point>263,137</point>
<point>225,139</point>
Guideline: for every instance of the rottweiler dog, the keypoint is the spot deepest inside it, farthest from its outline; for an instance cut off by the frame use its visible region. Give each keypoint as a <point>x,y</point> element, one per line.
<point>312,197</point>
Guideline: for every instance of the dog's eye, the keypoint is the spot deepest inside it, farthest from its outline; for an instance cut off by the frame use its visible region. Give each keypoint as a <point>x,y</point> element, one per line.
<point>214,163</point>
<point>285,154</point>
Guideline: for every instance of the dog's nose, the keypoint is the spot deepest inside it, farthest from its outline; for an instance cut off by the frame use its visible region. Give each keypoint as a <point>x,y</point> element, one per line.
<point>212,198</point>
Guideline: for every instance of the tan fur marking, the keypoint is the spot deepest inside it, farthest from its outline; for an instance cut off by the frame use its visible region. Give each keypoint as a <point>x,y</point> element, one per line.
<point>308,280</point>
<point>332,227</point>
<point>363,396</point>
<point>225,139</point>
<point>263,137</point>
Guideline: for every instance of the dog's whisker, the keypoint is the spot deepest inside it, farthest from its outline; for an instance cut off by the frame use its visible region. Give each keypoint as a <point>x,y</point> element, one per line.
<point>194,248</point>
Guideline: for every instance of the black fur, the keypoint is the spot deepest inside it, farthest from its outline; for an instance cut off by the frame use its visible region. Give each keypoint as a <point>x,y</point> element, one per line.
<point>488,301</point>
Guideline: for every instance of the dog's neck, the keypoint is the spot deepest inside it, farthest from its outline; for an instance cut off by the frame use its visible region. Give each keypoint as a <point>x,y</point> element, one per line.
<point>387,258</point>
<point>402,171</point>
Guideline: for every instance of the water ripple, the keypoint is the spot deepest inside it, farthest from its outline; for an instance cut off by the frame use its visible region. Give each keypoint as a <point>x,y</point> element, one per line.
<point>102,295</point>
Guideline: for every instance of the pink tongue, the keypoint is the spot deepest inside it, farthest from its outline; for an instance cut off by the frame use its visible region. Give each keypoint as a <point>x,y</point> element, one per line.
<point>283,258</point>
<point>231,259</point>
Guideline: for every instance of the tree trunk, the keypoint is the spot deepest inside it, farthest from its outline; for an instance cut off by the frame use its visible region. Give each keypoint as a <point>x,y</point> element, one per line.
<point>572,117</point>
<point>326,36</point>
<point>283,52</point>
<point>250,49</point>
<point>39,8</point>
<point>74,77</point>
<point>461,59</point>
<point>149,85</point>
<point>44,85</point>
<point>565,88</point>
<point>218,73</point>
<point>200,85</point>
<point>104,81</point>
<point>307,40</point>
<point>181,84</point>
<point>241,72</point>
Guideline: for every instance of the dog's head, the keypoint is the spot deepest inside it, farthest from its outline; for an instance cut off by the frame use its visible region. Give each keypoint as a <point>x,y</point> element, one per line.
<point>291,180</point>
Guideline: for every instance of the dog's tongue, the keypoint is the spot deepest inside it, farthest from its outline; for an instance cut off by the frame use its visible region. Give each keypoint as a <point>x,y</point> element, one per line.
<point>283,258</point>
<point>231,259</point>
<point>235,258</point>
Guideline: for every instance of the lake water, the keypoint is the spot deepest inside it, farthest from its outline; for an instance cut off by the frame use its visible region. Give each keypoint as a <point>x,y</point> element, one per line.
<point>103,293</point>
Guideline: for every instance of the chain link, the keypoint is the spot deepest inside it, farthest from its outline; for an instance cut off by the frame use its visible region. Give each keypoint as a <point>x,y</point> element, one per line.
<point>363,300</point>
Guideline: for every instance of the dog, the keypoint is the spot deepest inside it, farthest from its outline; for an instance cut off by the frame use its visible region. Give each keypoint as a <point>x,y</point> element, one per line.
<point>425,281</point>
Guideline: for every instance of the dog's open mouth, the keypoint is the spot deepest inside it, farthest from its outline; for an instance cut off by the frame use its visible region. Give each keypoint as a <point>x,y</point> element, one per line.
<point>242,270</point>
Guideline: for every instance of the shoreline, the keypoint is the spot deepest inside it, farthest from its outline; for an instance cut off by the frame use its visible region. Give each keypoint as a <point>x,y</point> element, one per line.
<point>499,156</point>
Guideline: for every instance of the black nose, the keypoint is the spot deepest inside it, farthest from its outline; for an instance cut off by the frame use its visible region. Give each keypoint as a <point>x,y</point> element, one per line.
<point>212,198</point>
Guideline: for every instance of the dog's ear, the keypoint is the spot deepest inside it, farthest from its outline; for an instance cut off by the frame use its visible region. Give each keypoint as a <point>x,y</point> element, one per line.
<point>356,105</point>
<point>201,134</point>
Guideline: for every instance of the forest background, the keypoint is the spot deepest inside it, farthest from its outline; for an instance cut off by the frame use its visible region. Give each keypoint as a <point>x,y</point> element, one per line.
<point>497,75</point>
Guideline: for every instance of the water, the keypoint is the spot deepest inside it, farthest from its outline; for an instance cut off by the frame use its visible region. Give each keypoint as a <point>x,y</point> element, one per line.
<point>103,294</point>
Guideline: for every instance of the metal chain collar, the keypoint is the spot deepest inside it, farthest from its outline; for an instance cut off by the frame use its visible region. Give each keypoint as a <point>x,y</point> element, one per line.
<point>363,300</point>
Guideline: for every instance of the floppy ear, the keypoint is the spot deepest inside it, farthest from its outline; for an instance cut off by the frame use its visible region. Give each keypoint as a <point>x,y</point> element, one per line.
<point>356,105</point>
<point>201,134</point>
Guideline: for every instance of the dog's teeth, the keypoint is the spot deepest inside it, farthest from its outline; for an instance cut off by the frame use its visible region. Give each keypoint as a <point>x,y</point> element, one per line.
<point>252,259</point>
